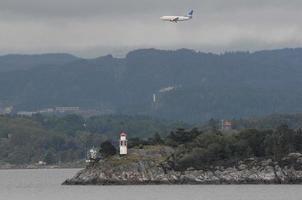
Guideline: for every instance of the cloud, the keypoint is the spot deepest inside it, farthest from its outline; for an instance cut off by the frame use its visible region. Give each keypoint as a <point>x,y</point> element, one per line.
<point>94,27</point>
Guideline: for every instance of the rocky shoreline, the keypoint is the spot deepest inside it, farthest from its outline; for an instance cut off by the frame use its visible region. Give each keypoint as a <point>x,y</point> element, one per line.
<point>144,170</point>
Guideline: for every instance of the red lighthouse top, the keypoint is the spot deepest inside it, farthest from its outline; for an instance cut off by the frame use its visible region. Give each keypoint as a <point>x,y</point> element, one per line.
<point>123,134</point>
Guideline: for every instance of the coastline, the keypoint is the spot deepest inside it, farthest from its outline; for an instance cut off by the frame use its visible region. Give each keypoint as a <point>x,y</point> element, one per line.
<point>79,165</point>
<point>144,170</point>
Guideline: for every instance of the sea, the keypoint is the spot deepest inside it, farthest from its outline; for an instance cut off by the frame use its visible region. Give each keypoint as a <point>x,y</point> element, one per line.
<point>45,184</point>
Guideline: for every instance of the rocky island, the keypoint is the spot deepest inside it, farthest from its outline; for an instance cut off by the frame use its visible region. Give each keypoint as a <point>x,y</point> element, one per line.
<point>154,165</point>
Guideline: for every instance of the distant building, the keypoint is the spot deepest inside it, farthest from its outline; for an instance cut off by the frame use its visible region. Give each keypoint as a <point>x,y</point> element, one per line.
<point>8,110</point>
<point>46,110</point>
<point>92,156</point>
<point>226,125</point>
<point>67,109</point>
<point>26,113</point>
<point>41,163</point>
<point>123,144</point>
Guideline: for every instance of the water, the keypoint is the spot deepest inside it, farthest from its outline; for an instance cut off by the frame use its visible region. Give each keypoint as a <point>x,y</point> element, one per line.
<point>45,185</point>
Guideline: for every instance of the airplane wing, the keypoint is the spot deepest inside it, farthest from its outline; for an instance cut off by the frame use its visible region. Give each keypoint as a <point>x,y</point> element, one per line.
<point>175,19</point>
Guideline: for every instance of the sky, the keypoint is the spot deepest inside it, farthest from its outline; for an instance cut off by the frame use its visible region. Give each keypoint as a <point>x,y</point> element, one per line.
<point>91,28</point>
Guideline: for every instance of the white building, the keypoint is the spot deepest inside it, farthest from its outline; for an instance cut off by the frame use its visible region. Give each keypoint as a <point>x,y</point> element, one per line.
<point>26,113</point>
<point>8,110</point>
<point>123,144</point>
<point>41,163</point>
<point>46,110</point>
<point>226,125</point>
<point>92,156</point>
<point>67,109</point>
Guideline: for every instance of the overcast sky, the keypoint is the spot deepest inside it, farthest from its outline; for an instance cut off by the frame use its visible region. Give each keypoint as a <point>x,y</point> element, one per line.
<point>96,27</point>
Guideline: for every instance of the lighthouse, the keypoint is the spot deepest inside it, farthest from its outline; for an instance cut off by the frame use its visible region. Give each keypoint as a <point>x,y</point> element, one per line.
<point>123,143</point>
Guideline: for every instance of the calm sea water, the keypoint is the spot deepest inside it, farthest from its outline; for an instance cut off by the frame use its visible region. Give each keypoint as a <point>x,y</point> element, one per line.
<point>45,185</point>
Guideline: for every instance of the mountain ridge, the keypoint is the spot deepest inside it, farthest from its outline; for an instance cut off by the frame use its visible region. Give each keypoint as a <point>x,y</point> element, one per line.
<point>229,85</point>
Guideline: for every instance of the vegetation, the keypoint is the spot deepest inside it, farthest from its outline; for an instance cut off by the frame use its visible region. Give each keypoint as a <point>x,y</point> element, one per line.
<point>107,149</point>
<point>294,121</point>
<point>206,147</point>
<point>25,140</point>
<point>238,84</point>
<point>199,149</point>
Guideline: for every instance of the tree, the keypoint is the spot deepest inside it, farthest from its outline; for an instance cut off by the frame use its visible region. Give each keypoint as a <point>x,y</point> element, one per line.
<point>107,149</point>
<point>213,124</point>
<point>181,136</point>
<point>49,158</point>
<point>156,139</point>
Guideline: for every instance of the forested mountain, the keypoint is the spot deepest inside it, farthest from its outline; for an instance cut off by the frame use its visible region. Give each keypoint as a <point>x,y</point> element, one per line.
<point>14,62</point>
<point>190,86</point>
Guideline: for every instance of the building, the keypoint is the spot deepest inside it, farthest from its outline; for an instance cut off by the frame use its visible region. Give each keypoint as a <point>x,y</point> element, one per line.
<point>92,156</point>
<point>226,125</point>
<point>8,110</point>
<point>123,144</point>
<point>26,113</point>
<point>41,163</point>
<point>67,109</point>
<point>46,110</point>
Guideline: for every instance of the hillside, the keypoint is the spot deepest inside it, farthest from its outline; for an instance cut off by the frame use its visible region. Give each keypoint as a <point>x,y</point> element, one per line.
<point>189,86</point>
<point>13,62</point>
<point>197,157</point>
<point>270,122</point>
<point>27,140</point>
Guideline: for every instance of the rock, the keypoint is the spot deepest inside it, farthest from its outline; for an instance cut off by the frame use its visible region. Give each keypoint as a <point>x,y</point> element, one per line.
<point>295,155</point>
<point>242,167</point>
<point>146,168</point>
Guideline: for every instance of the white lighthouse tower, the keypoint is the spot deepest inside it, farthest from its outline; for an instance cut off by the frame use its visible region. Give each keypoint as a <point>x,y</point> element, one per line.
<point>123,143</point>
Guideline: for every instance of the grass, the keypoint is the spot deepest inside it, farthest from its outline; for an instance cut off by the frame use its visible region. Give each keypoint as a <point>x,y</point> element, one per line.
<point>150,153</point>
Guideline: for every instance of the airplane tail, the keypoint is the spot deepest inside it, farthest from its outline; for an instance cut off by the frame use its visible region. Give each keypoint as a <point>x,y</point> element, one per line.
<point>190,14</point>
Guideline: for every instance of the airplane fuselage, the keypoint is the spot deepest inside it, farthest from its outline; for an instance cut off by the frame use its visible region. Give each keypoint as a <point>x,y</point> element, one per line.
<point>175,18</point>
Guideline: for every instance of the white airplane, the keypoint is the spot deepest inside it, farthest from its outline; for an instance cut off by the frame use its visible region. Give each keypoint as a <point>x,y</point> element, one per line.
<point>178,18</point>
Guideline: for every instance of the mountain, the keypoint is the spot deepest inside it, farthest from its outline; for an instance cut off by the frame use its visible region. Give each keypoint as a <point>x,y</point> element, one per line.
<point>188,85</point>
<point>14,62</point>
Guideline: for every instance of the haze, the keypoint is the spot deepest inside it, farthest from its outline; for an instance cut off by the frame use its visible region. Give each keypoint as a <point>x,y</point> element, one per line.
<point>96,27</point>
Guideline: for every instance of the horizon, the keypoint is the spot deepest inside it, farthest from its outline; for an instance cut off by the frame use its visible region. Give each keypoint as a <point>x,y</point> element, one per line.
<point>139,49</point>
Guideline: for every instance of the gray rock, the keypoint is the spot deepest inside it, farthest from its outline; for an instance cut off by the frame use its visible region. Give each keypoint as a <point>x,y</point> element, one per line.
<point>147,170</point>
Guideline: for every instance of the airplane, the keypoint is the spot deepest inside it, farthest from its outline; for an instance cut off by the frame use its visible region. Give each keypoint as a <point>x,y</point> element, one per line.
<point>176,19</point>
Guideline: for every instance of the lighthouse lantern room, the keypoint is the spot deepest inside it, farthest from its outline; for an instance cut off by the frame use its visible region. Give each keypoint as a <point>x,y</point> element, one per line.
<point>123,143</point>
